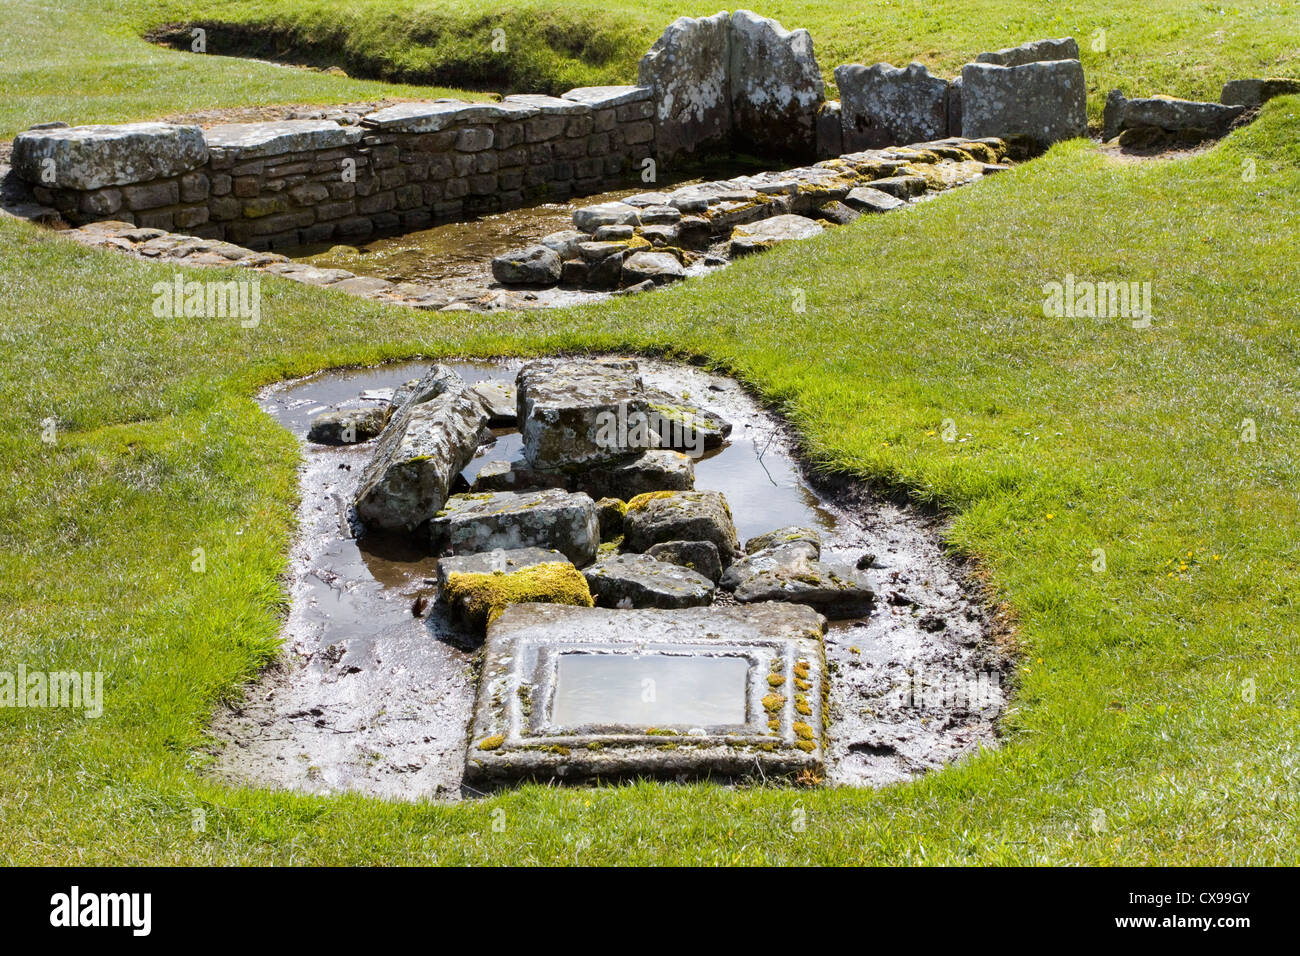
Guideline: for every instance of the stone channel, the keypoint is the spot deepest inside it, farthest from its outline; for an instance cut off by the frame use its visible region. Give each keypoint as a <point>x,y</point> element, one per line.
<point>481,593</point>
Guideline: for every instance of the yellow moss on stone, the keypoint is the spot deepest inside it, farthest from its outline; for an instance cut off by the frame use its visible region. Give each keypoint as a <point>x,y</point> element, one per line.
<point>773,702</point>
<point>482,597</point>
<point>802,730</point>
<point>491,743</point>
<point>641,501</point>
<point>775,680</point>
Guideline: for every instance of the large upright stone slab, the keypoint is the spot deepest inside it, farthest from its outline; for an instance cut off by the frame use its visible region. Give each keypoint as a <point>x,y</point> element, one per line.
<point>572,692</point>
<point>776,88</point>
<point>687,70</point>
<point>419,454</point>
<point>1043,101</point>
<point>575,412</point>
<point>883,105</point>
<point>91,157</point>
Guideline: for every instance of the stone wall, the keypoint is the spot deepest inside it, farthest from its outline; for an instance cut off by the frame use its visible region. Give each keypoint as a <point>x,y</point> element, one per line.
<point>265,185</point>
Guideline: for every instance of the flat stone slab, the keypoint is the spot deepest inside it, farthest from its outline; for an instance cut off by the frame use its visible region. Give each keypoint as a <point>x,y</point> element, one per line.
<point>1062,48</point>
<point>501,401</point>
<point>770,232</point>
<point>552,105</point>
<point>91,157</point>
<point>590,218</point>
<point>569,693</point>
<point>868,199</point>
<point>638,580</point>
<point>252,140</point>
<point>1174,115</point>
<point>506,520</point>
<point>604,97</point>
<point>575,413</point>
<point>347,426</point>
<point>1045,101</point>
<point>792,573</point>
<point>498,561</point>
<point>783,536</point>
<point>441,114</point>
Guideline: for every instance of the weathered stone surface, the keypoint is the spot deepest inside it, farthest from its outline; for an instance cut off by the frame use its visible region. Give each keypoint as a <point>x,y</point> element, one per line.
<point>743,725</point>
<point>441,114</point>
<point>685,426</point>
<point>507,520</point>
<point>1257,92</point>
<point>491,562</point>
<point>91,157</point>
<point>614,233</point>
<point>590,218</point>
<point>609,512</point>
<point>421,451</point>
<point>782,558</point>
<point>830,133</point>
<point>699,556</point>
<point>653,470</point>
<point>1044,102</point>
<point>638,580</point>
<point>576,412</point>
<point>791,572</point>
<point>1174,115</point>
<point>501,401</point>
<point>900,187</point>
<point>657,267</point>
<point>883,105</point>
<point>680,516</point>
<point>776,87</point>
<point>869,199</point>
<point>479,598</point>
<point>517,475</point>
<point>837,212</point>
<point>769,232</point>
<point>437,380</point>
<point>552,105</point>
<point>660,215</point>
<point>606,97</point>
<point>687,70</point>
<point>1064,48</point>
<point>783,536</point>
<point>565,243</point>
<point>1113,115</point>
<point>533,266</point>
<point>348,426</point>
<point>251,140</point>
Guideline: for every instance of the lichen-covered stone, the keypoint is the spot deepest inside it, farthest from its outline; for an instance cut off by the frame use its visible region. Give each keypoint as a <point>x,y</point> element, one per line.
<point>883,105</point>
<point>556,519</point>
<point>479,599</point>
<point>638,580</point>
<point>688,70</point>
<point>421,451</point>
<point>91,157</point>
<point>791,573</point>
<point>576,412</point>
<point>1063,48</point>
<point>783,536</point>
<point>680,516</point>
<point>609,512</point>
<point>869,199</point>
<point>656,267</point>
<point>590,218</point>
<point>517,475</point>
<point>501,401</point>
<point>658,469</point>
<point>1257,92</point>
<point>700,556</point>
<point>1043,101</point>
<point>493,562</point>
<point>776,87</point>
<point>1173,115</point>
<point>770,232</point>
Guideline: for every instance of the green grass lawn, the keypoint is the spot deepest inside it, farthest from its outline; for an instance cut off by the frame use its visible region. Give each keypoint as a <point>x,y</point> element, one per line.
<point>1134,694</point>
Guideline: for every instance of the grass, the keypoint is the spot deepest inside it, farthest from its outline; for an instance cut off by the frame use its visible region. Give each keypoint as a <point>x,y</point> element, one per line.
<point>1159,690</point>
<point>81,62</point>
